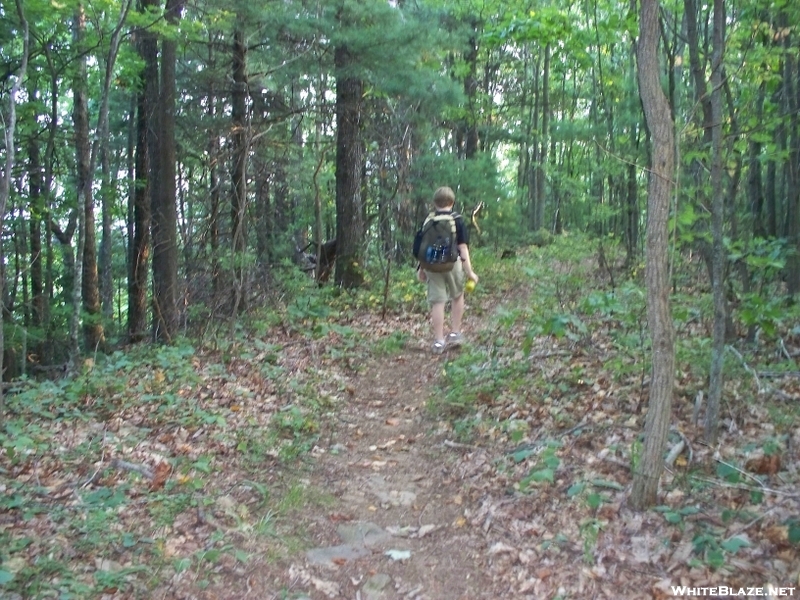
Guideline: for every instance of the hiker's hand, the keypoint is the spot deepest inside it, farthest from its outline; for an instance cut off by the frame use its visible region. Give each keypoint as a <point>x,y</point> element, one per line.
<point>421,275</point>
<point>474,277</point>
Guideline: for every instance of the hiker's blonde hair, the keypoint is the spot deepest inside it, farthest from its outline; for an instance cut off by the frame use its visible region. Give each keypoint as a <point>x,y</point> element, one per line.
<point>444,197</point>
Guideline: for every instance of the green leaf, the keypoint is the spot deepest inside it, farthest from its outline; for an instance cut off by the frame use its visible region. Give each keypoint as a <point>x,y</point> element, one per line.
<point>543,475</point>
<point>794,532</point>
<point>182,564</point>
<point>576,488</point>
<point>734,544</point>
<point>730,474</point>
<point>552,462</point>
<point>715,558</point>
<point>594,500</point>
<point>5,577</point>
<point>521,455</point>
<point>203,464</point>
<point>608,484</point>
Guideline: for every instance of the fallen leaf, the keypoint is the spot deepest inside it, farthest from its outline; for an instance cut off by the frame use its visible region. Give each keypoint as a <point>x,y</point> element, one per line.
<point>393,422</point>
<point>765,465</point>
<point>425,530</point>
<point>398,554</point>
<point>162,472</point>
<point>501,548</point>
<point>329,588</point>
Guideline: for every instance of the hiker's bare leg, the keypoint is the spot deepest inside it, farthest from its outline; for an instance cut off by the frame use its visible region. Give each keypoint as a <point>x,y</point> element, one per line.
<point>456,313</point>
<point>437,320</point>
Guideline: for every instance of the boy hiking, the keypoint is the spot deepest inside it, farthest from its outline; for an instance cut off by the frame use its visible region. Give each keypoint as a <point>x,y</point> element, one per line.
<point>442,247</point>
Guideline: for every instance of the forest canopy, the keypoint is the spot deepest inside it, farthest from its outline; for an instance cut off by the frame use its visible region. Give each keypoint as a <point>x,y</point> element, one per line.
<point>166,164</point>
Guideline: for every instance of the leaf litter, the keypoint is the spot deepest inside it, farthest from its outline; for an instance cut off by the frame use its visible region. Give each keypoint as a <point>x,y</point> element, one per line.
<point>259,454</point>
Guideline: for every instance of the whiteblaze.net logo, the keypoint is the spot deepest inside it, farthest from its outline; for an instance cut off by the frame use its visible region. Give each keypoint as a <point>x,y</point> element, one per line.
<point>724,591</point>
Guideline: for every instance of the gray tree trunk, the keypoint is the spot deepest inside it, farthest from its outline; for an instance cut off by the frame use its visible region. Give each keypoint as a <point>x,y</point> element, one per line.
<point>659,121</point>
<point>717,218</point>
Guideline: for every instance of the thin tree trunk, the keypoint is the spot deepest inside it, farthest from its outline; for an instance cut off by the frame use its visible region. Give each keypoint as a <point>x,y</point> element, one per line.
<point>143,186</point>
<point>84,265</point>
<point>755,191</point>
<point>5,180</point>
<point>471,138</point>
<point>790,81</point>
<point>37,205</point>
<point>106,273</point>
<point>717,217</point>
<point>659,121</point>
<point>239,174</point>
<point>541,165</point>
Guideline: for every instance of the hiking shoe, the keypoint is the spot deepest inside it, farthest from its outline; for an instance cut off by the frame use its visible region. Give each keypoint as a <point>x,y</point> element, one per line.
<point>438,346</point>
<point>454,338</point>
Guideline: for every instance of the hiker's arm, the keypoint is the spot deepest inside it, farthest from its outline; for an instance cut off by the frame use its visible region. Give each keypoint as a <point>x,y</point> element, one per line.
<point>463,252</point>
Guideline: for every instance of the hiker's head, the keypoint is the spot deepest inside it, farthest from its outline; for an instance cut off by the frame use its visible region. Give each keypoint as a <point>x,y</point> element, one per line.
<point>444,198</point>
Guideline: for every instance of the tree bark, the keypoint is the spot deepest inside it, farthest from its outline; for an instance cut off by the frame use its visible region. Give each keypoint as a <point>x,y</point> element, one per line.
<point>717,217</point>
<point>791,83</point>
<point>659,121</point>
<point>350,226</point>
<point>87,279</point>
<point>471,137</point>
<point>5,180</point>
<point>39,300</point>
<point>541,165</point>
<point>164,206</point>
<point>239,174</point>
<point>755,188</point>
<point>146,119</point>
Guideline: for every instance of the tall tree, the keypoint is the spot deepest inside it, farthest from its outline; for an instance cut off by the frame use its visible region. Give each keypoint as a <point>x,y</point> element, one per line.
<point>350,226</point>
<point>85,282</point>
<point>164,204</point>
<point>660,182</point>
<point>239,137</point>
<point>717,218</point>
<point>146,103</point>
<point>5,181</point>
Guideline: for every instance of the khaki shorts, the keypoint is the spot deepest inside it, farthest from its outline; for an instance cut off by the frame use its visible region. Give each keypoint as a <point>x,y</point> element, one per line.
<point>445,286</point>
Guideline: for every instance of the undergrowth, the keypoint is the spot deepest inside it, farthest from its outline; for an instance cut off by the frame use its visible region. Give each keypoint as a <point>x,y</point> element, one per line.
<point>553,344</point>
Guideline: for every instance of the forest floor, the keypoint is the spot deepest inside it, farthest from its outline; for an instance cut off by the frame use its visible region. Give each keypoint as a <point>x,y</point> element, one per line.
<point>353,463</point>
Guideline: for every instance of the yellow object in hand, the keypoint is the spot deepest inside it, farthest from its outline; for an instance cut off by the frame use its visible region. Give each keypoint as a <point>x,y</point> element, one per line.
<point>469,286</point>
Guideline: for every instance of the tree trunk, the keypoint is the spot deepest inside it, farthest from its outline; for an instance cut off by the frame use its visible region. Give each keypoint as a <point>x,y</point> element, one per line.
<point>39,300</point>
<point>239,174</point>
<point>164,207</point>
<point>214,192</point>
<point>143,185</point>
<point>5,181</point>
<point>755,191</point>
<point>88,279</point>
<point>790,81</point>
<point>659,121</point>
<point>717,218</point>
<point>541,165</point>
<point>471,137</point>
<point>350,226</point>
<point>106,208</point>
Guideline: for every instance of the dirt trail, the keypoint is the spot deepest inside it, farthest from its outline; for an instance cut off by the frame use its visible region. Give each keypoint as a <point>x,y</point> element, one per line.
<point>398,491</point>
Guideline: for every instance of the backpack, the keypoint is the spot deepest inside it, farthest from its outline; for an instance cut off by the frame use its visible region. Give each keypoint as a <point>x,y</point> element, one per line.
<point>435,244</point>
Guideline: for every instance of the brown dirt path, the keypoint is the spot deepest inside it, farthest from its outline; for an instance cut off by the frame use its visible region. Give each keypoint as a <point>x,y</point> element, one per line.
<point>385,461</point>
